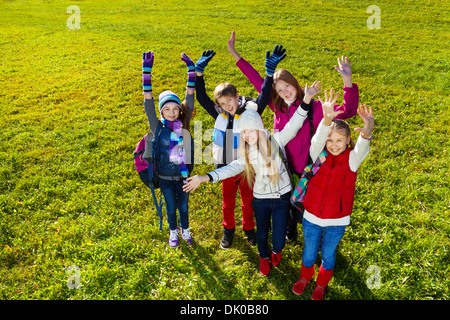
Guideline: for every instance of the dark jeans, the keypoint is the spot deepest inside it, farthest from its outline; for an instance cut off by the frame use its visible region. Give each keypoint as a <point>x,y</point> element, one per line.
<point>175,198</point>
<point>264,210</point>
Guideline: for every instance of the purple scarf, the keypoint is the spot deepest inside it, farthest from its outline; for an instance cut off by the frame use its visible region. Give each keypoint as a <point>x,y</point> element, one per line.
<point>176,150</point>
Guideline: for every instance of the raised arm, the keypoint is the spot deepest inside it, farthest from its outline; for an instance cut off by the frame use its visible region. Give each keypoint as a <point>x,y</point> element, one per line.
<point>351,91</point>
<point>204,100</point>
<point>271,63</point>
<point>361,150</point>
<point>149,102</point>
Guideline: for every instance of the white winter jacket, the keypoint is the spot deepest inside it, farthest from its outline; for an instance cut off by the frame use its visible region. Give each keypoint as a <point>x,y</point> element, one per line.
<point>263,188</point>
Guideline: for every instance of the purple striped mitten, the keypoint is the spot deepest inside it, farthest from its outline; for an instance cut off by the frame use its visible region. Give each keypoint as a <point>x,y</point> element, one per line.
<point>191,71</point>
<point>147,64</point>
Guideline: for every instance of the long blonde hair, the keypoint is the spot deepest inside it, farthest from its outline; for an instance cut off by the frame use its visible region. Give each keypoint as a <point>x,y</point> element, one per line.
<point>266,156</point>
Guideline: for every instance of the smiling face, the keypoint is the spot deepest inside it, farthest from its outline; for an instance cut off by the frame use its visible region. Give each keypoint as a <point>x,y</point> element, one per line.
<point>285,90</point>
<point>171,112</point>
<point>229,103</point>
<point>250,136</point>
<point>337,142</point>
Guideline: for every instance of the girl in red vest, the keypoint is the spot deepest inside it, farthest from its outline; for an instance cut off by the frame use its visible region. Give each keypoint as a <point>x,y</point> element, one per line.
<point>329,197</point>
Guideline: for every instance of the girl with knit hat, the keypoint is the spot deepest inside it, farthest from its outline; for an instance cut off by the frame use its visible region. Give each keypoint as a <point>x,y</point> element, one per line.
<point>328,200</point>
<point>286,98</point>
<point>263,167</point>
<point>174,145</point>
<point>226,109</point>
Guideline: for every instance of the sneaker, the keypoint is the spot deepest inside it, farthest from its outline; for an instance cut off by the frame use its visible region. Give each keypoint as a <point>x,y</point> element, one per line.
<point>264,266</point>
<point>318,293</point>
<point>251,236</point>
<point>276,259</point>
<point>186,235</point>
<point>173,238</point>
<point>227,239</point>
<point>300,286</point>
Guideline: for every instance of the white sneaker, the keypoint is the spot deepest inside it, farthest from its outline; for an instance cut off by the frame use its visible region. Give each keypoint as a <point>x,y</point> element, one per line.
<point>173,238</point>
<point>186,235</point>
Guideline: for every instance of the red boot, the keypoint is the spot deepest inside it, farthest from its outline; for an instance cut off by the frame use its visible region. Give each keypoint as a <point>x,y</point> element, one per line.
<point>306,275</point>
<point>323,278</point>
<point>264,266</point>
<point>276,259</point>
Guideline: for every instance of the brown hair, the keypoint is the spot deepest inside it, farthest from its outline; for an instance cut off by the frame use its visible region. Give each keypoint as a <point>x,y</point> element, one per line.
<point>186,115</point>
<point>344,129</point>
<point>224,90</point>
<point>283,74</point>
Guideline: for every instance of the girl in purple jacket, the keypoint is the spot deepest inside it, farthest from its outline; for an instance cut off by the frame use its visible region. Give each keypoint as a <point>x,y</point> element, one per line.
<point>286,98</point>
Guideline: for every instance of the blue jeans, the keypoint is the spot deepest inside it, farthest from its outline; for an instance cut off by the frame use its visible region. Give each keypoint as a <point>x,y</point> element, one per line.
<point>264,210</point>
<point>324,238</point>
<point>175,198</point>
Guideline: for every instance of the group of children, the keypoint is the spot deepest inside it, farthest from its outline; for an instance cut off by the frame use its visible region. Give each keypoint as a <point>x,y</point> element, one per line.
<point>262,165</point>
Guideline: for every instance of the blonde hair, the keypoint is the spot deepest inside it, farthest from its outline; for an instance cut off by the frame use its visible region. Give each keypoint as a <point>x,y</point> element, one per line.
<point>344,129</point>
<point>266,156</point>
<point>283,74</point>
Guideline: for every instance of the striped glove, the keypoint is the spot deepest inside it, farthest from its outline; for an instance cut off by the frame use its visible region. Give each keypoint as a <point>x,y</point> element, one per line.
<point>191,71</point>
<point>147,64</point>
<point>204,59</point>
<point>278,54</point>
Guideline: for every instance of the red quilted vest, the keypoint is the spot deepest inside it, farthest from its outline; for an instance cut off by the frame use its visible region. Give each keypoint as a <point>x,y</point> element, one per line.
<point>331,190</point>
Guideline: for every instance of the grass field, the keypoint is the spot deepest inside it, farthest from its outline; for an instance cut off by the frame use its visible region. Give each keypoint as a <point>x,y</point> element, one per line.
<point>72,112</point>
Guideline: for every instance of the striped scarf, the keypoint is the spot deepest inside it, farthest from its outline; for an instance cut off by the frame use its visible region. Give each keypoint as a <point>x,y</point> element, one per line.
<point>298,195</point>
<point>176,150</point>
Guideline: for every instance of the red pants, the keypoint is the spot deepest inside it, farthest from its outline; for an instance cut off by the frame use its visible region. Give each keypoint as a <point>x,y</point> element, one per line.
<point>229,190</point>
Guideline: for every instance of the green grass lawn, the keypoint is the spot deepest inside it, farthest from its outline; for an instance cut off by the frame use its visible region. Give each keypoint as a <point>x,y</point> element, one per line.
<point>72,112</point>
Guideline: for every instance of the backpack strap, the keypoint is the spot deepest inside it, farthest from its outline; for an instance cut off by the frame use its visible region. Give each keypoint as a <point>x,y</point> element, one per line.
<point>152,164</point>
<point>275,144</point>
<point>311,128</point>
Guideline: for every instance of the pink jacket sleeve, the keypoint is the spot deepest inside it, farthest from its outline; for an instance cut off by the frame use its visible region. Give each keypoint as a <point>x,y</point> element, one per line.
<point>252,75</point>
<point>350,105</point>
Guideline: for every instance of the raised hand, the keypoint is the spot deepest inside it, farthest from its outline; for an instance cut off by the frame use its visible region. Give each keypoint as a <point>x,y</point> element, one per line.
<point>147,65</point>
<point>231,49</point>
<point>328,107</point>
<point>203,61</point>
<point>191,71</point>
<point>344,68</point>
<point>273,60</point>
<point>310,92</point>
<point>369,122</point>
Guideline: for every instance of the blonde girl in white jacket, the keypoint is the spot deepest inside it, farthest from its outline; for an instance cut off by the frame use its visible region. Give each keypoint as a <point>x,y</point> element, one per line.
<point>264,169</point>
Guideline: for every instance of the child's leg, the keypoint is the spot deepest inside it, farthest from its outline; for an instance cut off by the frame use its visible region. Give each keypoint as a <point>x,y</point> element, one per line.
<point>229,189</point>
<point>312,235</point>
<point>182,204</point>
<point>168,190</point>
<point>248,221</point>
<point>262,209</point>
<point>331,238</point>
<point>280,213</point>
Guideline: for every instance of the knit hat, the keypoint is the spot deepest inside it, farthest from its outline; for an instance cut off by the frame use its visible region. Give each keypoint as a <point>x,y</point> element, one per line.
<point>167,97</point>
<point>250,119</point>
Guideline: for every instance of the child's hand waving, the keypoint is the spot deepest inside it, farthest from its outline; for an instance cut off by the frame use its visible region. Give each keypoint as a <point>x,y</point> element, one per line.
<point>328,107</point>
<point>310,92</point>
<point>345,70</point>
<point>203,61</point>
<point>369,122</point>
